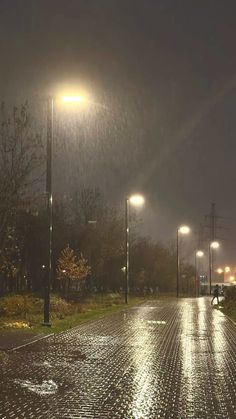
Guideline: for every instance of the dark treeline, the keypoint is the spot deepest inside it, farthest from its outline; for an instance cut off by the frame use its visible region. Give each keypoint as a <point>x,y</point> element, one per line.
<point>88,235</point>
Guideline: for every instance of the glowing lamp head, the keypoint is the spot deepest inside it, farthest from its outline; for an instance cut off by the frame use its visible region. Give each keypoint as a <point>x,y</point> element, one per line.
<point>231,278</point>
<point>199,253</point>
<point>214,245</point>
<point>73,99</point>
<point>184,229</point>
<point>136,200</point>
<point>227,269</point>
<point>220,271</point>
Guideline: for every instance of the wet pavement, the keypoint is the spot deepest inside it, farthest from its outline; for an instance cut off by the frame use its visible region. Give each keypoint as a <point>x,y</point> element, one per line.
<point>10,339</point>
<point>164,359</point>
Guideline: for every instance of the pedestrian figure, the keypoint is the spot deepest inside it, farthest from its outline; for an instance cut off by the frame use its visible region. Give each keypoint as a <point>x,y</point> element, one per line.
<point>216,294</point>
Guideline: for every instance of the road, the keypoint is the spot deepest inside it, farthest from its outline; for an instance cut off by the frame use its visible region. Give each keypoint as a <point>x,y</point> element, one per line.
<point>164,359</point>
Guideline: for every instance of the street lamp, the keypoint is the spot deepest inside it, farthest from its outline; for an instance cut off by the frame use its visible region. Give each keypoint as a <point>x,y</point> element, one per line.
<point>180,230</point>
<point>198,254</point>
<point>137,201</point>
<point>73,99</point>
<point>212,245</point>
<point>50,115</point>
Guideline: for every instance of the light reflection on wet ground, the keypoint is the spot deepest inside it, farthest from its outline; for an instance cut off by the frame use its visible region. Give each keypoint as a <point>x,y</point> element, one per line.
<point>166,359</point>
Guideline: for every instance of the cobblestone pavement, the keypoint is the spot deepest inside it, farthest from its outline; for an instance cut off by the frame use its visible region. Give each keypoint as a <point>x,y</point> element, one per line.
<point>165,359</point>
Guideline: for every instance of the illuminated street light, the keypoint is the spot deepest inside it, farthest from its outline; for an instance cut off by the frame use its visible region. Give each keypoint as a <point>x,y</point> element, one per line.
<point>73,99</point>
<point>212,246</point>
<point>198,254</point>
<point>182,230</point>
<point>227,269</point>
<point>137,201</point>
<point>48,279</point>
<point>219,271</point>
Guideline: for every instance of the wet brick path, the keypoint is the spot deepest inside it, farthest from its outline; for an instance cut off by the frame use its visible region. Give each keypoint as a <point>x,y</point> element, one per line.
<point>166,359</point>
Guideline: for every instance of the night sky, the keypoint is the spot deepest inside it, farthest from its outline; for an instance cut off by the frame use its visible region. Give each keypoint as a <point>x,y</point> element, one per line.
<point>164,73</point>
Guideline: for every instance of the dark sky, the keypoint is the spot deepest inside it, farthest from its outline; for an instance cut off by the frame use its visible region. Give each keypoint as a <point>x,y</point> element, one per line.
<point>165,72</point>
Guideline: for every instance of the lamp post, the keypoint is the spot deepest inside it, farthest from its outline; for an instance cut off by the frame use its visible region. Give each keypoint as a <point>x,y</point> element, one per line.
<point>48,277</point>
<point>198,254</point>
<point>135,200</point>
<point>212,245</point>
<point>182,230</point>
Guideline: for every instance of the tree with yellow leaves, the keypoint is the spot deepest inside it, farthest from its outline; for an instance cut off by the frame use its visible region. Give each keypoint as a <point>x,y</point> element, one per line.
<point>70,267</point>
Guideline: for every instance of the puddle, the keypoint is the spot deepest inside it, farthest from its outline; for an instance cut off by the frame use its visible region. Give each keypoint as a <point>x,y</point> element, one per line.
<point>44,389</point>
<point>77,356</point>
<point>154,321</point>
<point>43,364</point>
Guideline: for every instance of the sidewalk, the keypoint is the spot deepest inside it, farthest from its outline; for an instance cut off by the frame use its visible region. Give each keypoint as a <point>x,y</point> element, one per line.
<point>166,359</point>
<point>10,339</point>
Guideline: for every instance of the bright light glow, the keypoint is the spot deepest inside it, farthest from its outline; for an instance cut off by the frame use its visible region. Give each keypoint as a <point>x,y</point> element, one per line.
<point>72,99</point>
<point>199,253</point>
<point>184,229</point>
<point>227,269</point>
<point>220,271</point>
<point>214,245</point>
<point>136,200</point>
<point>231,278</point>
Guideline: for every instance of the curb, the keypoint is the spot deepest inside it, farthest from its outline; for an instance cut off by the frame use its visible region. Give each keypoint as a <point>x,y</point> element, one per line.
<point>228,317</point>
<point>29,343</point>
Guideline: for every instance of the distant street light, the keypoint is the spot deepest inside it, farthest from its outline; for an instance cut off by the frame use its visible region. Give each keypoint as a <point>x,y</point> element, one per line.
<point>50,116</point>
<point>215,245</point>
<point>135,200</point>
<point>220,271</point>
<point>212,245</point>
<point>198,254</point>
<point>227,269</point>
<point>180,230</point>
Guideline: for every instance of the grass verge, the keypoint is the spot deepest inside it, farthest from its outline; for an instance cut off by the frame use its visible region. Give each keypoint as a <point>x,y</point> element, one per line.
<point>230,310</point>
<point>27,315</point>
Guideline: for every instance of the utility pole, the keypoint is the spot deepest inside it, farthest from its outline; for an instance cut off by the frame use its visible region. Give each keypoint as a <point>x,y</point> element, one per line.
<point>213,221</point>
<point>212,236</point>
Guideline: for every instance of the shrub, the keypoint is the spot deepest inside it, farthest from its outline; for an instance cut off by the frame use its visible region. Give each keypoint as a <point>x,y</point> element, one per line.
<point>15,305</point>
<point>230,293</point>
<point>61,308</point>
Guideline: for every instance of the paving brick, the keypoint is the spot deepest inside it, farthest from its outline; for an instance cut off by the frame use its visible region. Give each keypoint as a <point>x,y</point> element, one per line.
<point>165,359</point>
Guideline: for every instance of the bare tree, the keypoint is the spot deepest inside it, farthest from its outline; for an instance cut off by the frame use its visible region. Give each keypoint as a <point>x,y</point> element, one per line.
<point>20,159</point>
